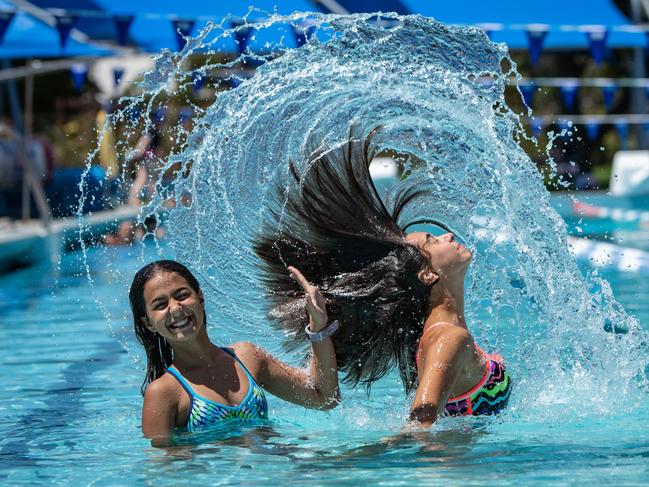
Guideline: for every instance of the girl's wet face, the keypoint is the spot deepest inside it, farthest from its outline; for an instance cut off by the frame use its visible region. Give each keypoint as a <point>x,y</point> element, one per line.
<point>173,308</point>
<point>443,253</point>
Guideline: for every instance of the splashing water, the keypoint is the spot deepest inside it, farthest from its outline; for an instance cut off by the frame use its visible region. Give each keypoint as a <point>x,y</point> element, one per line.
<point>422,83</point>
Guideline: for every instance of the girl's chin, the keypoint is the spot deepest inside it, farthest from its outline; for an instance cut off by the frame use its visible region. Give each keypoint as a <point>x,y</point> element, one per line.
<point>185,334</point>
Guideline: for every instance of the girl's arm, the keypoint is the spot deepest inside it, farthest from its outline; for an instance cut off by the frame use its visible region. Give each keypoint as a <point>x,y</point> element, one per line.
<point>446,353</point>
<point>159,412</point>
<point>316,386</point>
<point>140,180</point>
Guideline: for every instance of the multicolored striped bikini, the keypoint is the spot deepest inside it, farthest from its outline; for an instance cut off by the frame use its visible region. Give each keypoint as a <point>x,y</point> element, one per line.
<point>490,394</point>
<point>204,412</point>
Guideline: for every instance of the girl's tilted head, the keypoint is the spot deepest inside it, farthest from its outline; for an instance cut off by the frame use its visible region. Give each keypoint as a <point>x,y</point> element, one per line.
<point>167,306</point>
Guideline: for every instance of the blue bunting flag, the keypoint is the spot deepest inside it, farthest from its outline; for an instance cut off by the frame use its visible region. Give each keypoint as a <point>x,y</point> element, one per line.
<point>117,76</point>
<point>569,94</point>
<point>528,93</point>
<point>535,37</point>
<point>5,20</point>
<point>182,28</point>
<point>622,129</point>
<point>609,91</point>
<point>303,31</point>
<point>592,129</point>
<point>597,42</point>
<point>536,125</point>
<point>122,25</point>
<point>241,35</point>
<point>64,25</point>
<point>79,73</point>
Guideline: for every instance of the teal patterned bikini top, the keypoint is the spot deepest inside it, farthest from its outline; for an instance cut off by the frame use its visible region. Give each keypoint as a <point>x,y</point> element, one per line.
<point>203,412</point>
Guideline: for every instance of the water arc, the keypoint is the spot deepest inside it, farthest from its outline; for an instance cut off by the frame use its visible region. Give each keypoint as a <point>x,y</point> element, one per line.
<point>420,85</point>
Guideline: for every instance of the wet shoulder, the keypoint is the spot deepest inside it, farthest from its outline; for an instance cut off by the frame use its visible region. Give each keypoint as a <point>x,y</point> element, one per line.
<point>164,388</point>
<point>446,342</point>
<point>166,394</point>
<point>447,333</point>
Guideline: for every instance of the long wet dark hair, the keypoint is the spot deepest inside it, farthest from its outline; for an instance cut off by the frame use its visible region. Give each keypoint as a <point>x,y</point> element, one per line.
<point>335,228</point>
<point>159,353</point>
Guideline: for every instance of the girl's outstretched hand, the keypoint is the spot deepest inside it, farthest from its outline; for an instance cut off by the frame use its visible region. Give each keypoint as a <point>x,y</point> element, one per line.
<point>315,302</point>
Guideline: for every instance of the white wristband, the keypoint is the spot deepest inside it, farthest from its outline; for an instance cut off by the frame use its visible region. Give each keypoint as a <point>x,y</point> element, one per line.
<point>322,334</point>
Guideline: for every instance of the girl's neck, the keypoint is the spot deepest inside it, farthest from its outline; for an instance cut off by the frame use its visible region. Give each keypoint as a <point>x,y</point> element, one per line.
<point>446,306</point>
<point>196,353</point>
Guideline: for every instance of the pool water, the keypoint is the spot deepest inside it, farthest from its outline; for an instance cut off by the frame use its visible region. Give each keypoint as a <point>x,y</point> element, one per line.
<point>70,403</point>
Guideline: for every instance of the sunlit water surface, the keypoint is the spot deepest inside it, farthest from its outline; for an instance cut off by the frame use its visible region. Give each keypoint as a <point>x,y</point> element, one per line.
<point>70,406</point>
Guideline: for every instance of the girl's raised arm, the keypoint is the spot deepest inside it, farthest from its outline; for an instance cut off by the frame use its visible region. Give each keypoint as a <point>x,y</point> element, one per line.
<point>317,385</point>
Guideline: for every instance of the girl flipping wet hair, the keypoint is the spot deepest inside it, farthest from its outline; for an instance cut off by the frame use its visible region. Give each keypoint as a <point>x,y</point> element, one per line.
<point>399,297</point>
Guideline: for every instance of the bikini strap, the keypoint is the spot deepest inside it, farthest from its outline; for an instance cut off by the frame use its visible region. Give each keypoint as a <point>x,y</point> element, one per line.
<point>174,372</point>
<point>496,357</point>
<point>433,326</point>
<point>479,350</point>
<point>181,380</point>
<point>230,352</point>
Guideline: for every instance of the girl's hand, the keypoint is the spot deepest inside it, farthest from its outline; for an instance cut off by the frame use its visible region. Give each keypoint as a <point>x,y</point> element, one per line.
<point>315,302</point>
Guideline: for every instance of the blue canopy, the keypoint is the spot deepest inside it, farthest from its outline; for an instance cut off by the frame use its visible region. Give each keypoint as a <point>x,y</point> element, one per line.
<point>509,19</point>
<point>28,37</point>
<point>151,26</point>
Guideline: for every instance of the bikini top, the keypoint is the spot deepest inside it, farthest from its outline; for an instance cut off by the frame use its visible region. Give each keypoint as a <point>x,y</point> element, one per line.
<point>489,396</point>
<point>204,412</point>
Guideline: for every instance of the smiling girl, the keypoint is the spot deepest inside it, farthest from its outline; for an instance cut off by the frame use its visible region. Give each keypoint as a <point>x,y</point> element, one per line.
<point>193,384</point>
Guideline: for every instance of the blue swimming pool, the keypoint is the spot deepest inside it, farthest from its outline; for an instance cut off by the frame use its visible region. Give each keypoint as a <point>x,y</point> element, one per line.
<point>433,96</point>
<point>70,405</point>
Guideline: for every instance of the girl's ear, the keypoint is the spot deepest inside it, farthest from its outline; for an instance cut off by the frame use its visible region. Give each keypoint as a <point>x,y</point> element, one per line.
<point>427,276</point>
<point>200,297</point>
<point>147,324</point>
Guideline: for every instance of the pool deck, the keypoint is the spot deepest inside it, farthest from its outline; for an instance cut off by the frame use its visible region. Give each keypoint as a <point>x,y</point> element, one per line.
<point>29,242</point>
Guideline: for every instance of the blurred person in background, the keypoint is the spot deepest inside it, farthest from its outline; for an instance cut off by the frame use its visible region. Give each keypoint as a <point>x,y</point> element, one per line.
<point>144,160</point>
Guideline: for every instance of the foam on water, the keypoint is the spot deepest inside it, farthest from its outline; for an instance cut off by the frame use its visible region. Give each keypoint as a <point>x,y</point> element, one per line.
<point>436,95</point>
